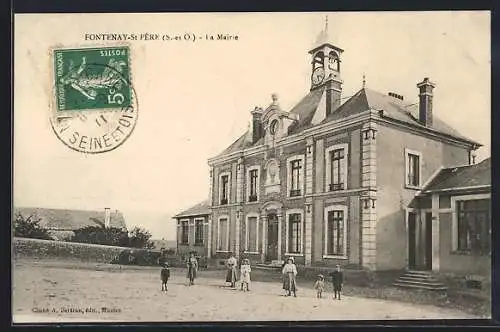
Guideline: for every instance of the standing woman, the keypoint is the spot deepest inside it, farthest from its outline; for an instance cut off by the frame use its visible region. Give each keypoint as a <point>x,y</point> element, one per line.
<point>192,268</point>
<point>231,265</point>
<point>289,275</point>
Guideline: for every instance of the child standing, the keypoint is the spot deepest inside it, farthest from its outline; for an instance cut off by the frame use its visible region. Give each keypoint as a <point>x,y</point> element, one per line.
<point>337,281</point>
<point>319,286</point>
<point>245,275</point>
<point>165,275</point>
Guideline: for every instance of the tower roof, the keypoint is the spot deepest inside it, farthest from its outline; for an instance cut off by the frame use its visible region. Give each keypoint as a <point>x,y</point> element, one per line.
<point>325,37</point>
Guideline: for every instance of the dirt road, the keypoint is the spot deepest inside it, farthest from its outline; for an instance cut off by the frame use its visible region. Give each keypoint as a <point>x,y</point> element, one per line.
<point>44,293</point>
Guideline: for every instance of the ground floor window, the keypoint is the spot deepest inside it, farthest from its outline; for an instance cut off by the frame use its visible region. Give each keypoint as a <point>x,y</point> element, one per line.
<point>198,232</point>
<point>185,232</point>
<point>294,233</point>
<point>335,233</point>
<point>474,226</point>
<point>252,234</point>
<point>222,236</point>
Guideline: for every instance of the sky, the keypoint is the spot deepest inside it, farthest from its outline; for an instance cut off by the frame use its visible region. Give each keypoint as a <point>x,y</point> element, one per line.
<point>195,98</point>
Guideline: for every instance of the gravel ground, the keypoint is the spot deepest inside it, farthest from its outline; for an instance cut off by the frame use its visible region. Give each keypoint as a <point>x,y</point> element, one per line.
<point>51,291</point>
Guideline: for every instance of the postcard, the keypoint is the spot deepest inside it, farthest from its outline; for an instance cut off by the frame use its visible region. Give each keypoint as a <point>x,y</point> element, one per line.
<point>210,167</point>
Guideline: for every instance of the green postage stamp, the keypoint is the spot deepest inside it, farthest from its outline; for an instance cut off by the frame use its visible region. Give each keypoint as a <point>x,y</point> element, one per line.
<point>94,107</point>
<point>92,78</point>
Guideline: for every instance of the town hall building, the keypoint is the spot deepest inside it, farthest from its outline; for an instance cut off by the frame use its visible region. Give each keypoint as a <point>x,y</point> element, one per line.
<point>335,183</point>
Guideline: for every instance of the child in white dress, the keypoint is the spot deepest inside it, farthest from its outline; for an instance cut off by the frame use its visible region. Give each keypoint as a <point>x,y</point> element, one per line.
<point>245,275</point>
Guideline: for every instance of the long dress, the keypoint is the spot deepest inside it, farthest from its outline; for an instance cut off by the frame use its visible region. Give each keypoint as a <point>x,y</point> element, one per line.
<point>231,270</point>
<point>289,282</point>
<point>245,274</point>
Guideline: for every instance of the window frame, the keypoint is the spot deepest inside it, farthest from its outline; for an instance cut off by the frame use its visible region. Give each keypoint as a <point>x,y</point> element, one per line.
<point>202,220</point>
<point>221,175</point>
<point>182,221</point>
<point>249,183</point>
<point>290,212</point>
<point>329,167</point>
<point>328,209</point>
<point>247,237</point>
<point>301,179</point>
<point>454,219</point>
<point>409,152</point>
<point>226,217</point>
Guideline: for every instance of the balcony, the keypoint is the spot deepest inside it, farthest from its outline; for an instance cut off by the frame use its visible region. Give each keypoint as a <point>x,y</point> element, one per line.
<point>295,192</point>
<point>336,186</point>
<point>223,201</point>
<point>252,198</point>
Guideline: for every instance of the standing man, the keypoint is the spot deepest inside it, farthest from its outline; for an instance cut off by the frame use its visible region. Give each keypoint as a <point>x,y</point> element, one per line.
<point>192,268</point>
<point>337,281</point>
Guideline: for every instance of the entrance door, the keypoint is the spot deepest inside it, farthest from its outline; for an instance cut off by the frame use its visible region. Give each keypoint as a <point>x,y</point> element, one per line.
<point>412,240</point>
<point>428,241</point>
<point>272,237</point>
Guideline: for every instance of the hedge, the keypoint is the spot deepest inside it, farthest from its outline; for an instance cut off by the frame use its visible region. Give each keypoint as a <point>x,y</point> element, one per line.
<point>49,249</point>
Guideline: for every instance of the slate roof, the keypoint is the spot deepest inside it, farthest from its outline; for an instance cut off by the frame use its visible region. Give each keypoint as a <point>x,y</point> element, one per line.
<point>361,101</point>
<point>461,177</point>
<point>199,209</point>
<point>305,109</point>
<point>393,108</point>
<point>64,219</point>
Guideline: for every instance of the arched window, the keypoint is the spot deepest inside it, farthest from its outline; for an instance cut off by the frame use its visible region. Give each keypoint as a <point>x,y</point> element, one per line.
<point>318,60</point>
<point>333,61</point>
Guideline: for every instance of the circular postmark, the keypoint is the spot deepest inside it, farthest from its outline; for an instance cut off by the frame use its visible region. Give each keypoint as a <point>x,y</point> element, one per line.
<point>96,109</point>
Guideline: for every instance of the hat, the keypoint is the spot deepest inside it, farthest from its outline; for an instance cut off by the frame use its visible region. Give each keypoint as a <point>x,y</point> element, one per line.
<point>291,259</point>
<point>321,276</point>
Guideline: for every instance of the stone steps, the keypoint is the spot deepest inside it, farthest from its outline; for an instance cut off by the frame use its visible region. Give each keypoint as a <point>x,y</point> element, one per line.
<point>419,280</point>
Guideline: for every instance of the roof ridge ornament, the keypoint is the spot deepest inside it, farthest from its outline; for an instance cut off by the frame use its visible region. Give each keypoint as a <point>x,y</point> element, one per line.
<point>274,97</point>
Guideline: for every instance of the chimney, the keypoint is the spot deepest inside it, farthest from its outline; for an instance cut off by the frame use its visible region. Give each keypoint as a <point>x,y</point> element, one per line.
<point>107,217</point>
<point>425,101</point>
<point>257,124</point>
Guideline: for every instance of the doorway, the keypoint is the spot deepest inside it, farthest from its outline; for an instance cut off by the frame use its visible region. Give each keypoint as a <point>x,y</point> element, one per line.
<point>428,241</point>
<point>420,241</point>
<point>272,237</point>
<point>412,240</point>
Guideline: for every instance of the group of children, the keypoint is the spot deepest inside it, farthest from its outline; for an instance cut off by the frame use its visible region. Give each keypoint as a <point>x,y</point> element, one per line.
<point>245,270</point>
<point>289,271</point>
<point>337,282</point>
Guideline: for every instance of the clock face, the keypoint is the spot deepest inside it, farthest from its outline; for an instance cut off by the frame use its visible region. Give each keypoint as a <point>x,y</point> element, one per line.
<point>318,75</point>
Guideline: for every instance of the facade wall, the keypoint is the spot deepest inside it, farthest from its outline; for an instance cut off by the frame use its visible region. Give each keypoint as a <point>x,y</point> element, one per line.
<point>376,168</point>
<point>393,196</point>
<point>314,185</point>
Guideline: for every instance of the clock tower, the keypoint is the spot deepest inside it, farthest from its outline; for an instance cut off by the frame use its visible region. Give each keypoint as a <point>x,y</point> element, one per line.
<point>325,71</point>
